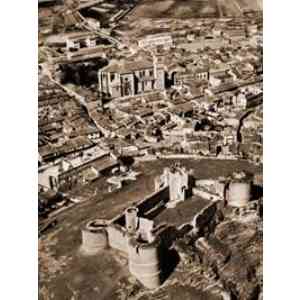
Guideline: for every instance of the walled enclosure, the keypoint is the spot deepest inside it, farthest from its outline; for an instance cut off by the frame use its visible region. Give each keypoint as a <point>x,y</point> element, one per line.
<point>132,231</point>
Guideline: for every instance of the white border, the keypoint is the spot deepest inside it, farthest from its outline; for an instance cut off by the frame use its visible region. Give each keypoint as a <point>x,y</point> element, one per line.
<point>18,213</point>
<point>281,152</point>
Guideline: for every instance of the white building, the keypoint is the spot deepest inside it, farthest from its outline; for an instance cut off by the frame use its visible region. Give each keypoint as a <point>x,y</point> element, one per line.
<point>156,40</point>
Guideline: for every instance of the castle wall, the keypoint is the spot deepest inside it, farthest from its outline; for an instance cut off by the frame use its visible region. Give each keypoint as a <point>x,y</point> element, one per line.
<point>152,200</point>
<point>146,229</point>
<point>205,194</point>
<point>168,235</point>
<point>117,237</point>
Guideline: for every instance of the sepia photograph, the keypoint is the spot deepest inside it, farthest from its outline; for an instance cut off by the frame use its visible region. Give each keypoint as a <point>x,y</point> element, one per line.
<point>150,149</point>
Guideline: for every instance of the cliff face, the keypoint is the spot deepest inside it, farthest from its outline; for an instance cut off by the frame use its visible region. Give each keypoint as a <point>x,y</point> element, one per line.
<point>245,243</point>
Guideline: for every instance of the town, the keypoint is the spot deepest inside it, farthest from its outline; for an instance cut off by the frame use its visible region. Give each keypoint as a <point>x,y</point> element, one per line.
<point>150,142</point>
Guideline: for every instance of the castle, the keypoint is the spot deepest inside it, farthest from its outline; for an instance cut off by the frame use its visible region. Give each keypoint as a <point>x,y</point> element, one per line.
<point>138,232</point>
<point>145,231</point>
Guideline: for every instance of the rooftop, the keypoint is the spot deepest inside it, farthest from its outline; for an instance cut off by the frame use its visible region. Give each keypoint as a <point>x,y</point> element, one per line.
<point>128,67</point>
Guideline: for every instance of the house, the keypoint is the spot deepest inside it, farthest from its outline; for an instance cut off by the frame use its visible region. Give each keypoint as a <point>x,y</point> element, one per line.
<point>220,79</point>
<point>77,41</point>
<point>197,75</point>
<point>240,101</point>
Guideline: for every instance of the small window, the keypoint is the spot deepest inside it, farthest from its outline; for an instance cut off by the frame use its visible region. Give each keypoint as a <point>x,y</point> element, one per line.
<point>112,76</point>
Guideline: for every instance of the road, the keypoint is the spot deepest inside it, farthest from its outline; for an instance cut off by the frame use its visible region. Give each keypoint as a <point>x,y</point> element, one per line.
<point>99,32</point>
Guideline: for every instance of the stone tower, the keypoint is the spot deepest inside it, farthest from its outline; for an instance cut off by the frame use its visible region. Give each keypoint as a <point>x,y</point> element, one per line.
<point>159,74</point>
<point>179,184</point>
<point>131,219</point>
<point>145,261</point>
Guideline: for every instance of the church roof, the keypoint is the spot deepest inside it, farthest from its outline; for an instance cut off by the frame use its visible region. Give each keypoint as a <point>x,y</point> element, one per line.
<point>128,67</point>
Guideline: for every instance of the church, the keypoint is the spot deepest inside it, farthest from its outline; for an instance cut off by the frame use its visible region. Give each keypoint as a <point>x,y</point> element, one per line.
<point>130,78</point>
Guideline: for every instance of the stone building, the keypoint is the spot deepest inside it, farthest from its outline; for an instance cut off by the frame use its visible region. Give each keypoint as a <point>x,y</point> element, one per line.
<point>163,39</point>
<point>131,78</point>
<point>77,41</point>
<point>197,75</point>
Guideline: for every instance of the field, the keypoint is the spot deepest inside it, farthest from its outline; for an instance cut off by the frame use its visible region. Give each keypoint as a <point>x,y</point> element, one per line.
<point>187,9</point>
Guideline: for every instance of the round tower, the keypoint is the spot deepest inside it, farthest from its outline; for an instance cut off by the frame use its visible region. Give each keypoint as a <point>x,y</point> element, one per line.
<point>145,261</point>
<point>238,193</point>
<point>131,219</point>
<point>94,237</point>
